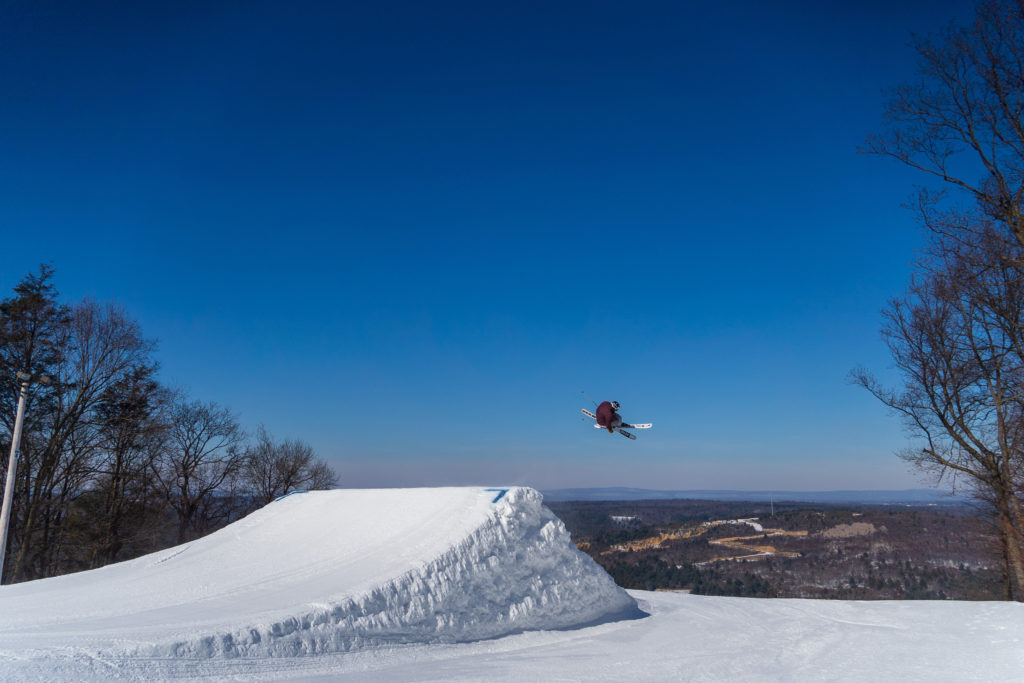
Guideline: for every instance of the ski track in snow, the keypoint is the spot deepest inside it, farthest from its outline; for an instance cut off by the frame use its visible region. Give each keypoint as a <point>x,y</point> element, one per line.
<point>460,584</point>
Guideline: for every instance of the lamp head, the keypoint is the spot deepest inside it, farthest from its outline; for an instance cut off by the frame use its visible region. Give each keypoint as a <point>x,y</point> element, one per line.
<point>27,378</point>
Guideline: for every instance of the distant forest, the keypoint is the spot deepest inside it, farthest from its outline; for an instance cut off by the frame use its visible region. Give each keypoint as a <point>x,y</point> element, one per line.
<point>113,464</point>
<point>792,550</point>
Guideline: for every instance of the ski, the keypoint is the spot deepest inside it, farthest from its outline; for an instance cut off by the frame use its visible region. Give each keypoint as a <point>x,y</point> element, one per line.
<point>592,416</point>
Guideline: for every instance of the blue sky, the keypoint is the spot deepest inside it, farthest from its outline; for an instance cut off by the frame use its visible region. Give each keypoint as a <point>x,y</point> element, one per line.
<point>412,234</point>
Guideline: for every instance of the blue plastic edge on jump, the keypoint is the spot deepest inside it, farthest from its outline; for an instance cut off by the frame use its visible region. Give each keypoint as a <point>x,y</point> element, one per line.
<point>501,493</point>
<point>289,494</point>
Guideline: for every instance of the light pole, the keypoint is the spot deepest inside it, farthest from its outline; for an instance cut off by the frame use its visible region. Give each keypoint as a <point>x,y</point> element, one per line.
<point>12,464</point>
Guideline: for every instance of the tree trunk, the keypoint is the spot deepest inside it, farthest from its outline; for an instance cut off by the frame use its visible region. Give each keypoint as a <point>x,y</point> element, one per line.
<point>1010,539</point>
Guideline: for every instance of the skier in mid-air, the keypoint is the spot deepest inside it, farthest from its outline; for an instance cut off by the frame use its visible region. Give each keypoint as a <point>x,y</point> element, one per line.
<point>608,416</point>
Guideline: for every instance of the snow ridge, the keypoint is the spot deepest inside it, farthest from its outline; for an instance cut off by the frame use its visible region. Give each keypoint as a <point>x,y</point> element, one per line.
<point>517,571</point>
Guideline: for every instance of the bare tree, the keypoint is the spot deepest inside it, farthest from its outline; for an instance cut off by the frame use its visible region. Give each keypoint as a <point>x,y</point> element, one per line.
<point>956,336</point>
<point>197,469</point>
<point>97,345</point>
<point>132,426</point>
<point>962,122</point>
<point>275,468</point>
<point>106,452</point>
<point>956,340</point>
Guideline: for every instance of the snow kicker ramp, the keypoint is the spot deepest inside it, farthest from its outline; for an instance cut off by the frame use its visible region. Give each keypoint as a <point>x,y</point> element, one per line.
<point>325,571</point>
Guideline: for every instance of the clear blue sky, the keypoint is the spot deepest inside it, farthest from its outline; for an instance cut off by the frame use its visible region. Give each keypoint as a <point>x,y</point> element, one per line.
<point>412,233</point>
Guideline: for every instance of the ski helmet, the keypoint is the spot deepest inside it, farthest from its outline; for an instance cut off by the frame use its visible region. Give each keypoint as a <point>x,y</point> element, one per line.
<point>615,405</point>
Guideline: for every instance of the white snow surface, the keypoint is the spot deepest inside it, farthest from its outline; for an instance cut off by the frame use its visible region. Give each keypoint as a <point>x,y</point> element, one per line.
<point>458,584</point>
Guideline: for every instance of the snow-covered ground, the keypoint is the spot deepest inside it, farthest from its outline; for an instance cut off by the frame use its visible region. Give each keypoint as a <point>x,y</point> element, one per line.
<point>457,584</point>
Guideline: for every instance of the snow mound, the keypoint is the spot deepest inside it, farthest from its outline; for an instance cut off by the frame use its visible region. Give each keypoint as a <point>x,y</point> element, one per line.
<point>326,571</point>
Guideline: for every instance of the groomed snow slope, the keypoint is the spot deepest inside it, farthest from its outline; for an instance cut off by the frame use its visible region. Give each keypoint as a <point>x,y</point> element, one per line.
<point>418,585</point>
<point>325,571</point>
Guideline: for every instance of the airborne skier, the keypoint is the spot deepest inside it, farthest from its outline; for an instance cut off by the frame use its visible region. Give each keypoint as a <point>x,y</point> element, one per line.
<point>608,416</point>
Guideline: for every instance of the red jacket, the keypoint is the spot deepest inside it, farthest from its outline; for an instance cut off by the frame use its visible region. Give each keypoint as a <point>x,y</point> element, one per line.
<point>605,414</point>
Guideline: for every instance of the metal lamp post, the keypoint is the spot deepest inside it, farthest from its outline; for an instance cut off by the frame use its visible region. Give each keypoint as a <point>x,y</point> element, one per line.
<point>12,464</point>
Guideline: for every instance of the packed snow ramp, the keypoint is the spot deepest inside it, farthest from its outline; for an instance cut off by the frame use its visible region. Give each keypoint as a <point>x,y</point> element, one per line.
<point>326,571</point>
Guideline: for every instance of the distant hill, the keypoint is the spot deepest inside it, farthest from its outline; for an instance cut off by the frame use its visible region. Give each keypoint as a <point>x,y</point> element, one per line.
<point>902,497</point>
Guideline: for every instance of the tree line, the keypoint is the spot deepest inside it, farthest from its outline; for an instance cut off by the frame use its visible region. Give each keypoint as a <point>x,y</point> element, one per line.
<point>112,463</point>
<point>957,334</point>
